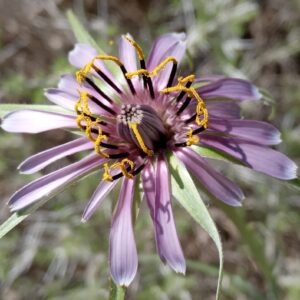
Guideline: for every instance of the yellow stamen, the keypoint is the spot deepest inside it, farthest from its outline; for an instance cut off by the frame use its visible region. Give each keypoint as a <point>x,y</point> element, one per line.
<point>98,141</point>
<point>190,78</point>
<point>163,64</point>
<point>122,166</point>
<point>155,71</point>
<point>136,46</point>
<point>82,74</point>
<point>192,139</point>
<point>139,138</point>
<point>129,75</point>
<point>106,175</point>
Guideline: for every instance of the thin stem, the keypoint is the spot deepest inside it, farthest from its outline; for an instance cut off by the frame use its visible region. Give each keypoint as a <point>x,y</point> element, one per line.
<point>116,292</point>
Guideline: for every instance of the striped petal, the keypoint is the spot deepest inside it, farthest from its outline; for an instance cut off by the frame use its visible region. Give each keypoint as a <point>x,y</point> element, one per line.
<point>122,249</point>
<point>99,195</point>
<point>255,156</point>
<point>49,184</point>
<point>218,185</point>
<point>223,110</point>
<point>127,54</point>
<point>81,55</point>
<point>35,121</point>
<point>39,161</point>
<point>256,131</point>
<point>230,88</point>
<point>171,44</point>
<point>158,195</point>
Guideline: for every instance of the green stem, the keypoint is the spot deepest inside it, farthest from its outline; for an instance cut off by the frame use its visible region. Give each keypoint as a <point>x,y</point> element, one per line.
<point>116,292</point>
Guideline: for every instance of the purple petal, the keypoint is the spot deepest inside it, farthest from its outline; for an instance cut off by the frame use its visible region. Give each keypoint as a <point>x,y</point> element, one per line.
<point>256,131</point>
<point>35,121</point>
<point>122,249</point>
<point>62,98</point>
<point>159,202</point>
<point>218,185</point>
<point>171,44</point>
<point>68,84</point>
<point>81,55</point>
<point>53,182</point>
<point>162,46</point>
<point>231,88</point>
<point>67,94</point>
<point>41,160</point>
<point>127,54</point>
<point>255,156</point>
<point>223,110</point>
<point>99,195</point>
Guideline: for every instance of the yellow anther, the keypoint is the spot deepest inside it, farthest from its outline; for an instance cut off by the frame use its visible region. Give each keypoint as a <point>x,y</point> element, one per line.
<point>192,139</point>
<point>136,46</point>
<point>106,175</point>
<point>190,78</point>
<point>163,64</point>
<point>137,72</point>
<point>122,166</point>
<point>176,88</point>
<point>82,74</point>
<point>84,101</point>
<point>109,57</point>
<point>192,93</point>
<point>139,138</point>
<point>98,141</point>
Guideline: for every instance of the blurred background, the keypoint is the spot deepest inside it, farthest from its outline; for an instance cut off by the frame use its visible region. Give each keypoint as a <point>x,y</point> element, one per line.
<point>52,255</point>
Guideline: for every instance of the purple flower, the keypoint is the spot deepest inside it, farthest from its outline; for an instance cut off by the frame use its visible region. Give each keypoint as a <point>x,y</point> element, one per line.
<point>129,122</point>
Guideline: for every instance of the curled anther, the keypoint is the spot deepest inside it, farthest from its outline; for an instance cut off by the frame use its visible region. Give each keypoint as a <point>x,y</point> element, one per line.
<point>136,46</point>
<point>192,139</point>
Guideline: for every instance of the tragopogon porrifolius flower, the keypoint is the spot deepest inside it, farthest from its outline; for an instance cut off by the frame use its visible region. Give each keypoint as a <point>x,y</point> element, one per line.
<point>129,123</point>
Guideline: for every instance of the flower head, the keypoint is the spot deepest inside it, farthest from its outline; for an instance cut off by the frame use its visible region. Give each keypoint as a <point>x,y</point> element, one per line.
<point>129,122</point>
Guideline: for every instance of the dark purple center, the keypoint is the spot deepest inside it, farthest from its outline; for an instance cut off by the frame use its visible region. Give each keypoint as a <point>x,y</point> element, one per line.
<point>149,127</point>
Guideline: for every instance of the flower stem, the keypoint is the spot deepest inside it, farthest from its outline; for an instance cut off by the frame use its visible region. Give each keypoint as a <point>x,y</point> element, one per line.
<point>116,292</point>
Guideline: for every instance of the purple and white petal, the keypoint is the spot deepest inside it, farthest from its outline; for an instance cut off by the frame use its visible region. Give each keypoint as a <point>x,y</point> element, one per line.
<point>97,199</point>
<point>218,185</point>
<point>167,242</point>
<point>46,185</point>
<point>62,98</point>
<point>223,110</point>
<point>39,161</point>
<point>35,121</point>
<point>123,258</point>
<point>162,46</point>
<point>255,156</point>
<point>230,88</point>
<point>171,44</point>
<point>127,54</point>
<point>255,131</point>
<point>81,55</point>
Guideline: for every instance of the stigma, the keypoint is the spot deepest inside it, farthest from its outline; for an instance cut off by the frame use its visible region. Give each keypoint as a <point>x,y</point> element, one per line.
<point>140,125</point>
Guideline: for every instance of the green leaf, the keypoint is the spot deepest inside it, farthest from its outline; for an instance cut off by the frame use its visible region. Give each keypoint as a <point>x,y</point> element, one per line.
<point>82,35</point>
<point>185,191</point>
<point>7,108</point>
<point>294,183</point>
<point>215,154</point>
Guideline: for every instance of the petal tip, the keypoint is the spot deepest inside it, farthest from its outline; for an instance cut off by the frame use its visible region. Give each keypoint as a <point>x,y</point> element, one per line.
<point>83,220</point>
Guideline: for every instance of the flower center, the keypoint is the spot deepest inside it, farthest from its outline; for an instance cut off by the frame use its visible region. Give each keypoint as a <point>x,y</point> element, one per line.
<point>140,125</point>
